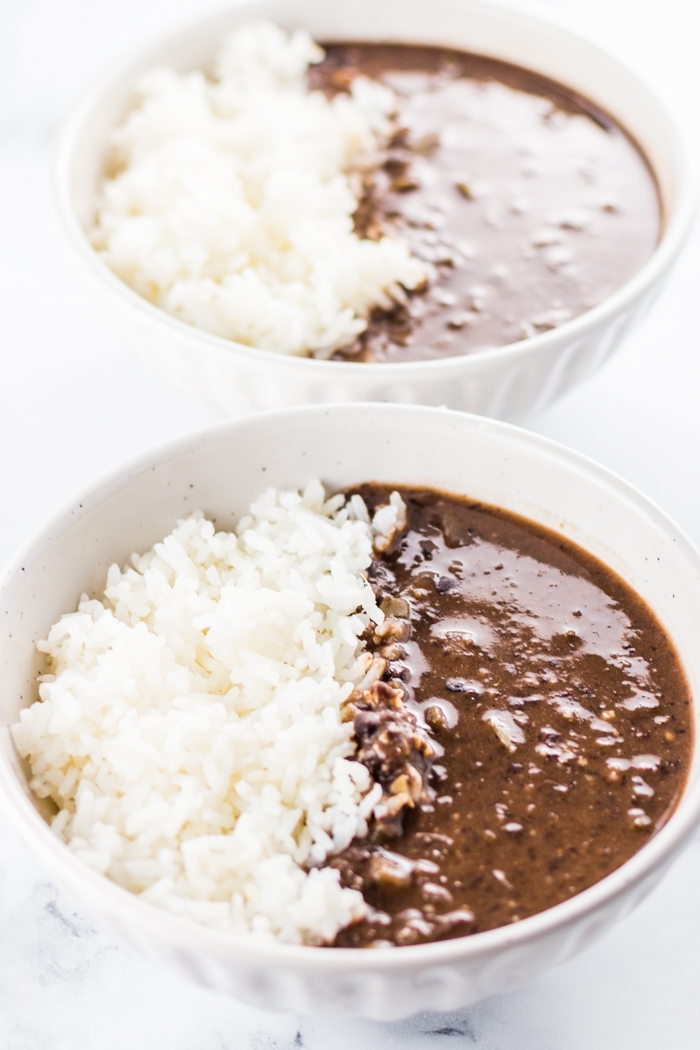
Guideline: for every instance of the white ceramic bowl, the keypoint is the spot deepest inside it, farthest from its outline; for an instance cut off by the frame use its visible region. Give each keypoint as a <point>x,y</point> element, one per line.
<point>509,382</point>
<point>220,471</point>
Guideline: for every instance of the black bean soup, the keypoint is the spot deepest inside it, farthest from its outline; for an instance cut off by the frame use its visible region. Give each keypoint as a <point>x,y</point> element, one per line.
<point>531,725</point>
<point>530,203</point>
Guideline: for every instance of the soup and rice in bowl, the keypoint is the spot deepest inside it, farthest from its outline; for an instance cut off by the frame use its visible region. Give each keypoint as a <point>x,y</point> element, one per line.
<point>335,744</point>
<point>449,202</point>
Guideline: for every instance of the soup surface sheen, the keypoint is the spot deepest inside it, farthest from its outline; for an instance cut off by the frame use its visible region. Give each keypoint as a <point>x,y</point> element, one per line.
<point>557,708</point>
<point>531,203</point>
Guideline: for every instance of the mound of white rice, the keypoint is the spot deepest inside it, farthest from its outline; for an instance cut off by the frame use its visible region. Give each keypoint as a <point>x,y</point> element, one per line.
<point>191,731</point>
<point>231,206</point>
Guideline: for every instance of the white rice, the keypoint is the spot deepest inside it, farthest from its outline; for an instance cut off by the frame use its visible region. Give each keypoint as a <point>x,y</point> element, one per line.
<point>190,731</point>
<point>231,206</point>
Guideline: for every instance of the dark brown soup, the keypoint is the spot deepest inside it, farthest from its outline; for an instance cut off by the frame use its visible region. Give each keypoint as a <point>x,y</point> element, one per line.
<point>531,204</point>
<point>531,730</point>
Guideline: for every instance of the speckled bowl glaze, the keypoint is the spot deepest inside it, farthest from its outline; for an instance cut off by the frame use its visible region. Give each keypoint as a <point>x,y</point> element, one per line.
<point>220,471</point>
<point>509,382</point>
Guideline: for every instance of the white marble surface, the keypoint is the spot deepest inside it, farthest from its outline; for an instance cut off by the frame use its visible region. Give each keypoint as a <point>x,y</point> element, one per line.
<point>73,403</point>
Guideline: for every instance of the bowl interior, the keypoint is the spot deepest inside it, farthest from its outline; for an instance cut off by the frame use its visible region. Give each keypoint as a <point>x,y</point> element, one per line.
<point>467,24</point>
<point>221,471</point>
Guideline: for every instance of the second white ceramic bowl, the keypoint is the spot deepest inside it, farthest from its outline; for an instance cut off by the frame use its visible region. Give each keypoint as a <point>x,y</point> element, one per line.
<point>220,471</point>
<point>509,382</point>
